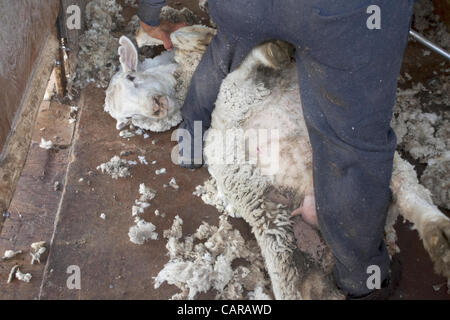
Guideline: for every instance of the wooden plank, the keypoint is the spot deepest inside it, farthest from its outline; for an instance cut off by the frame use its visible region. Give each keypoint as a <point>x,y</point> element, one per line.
<point>32,216</point>
<point>35,203</point>
<point>15,152</point>
<point>24,27</point>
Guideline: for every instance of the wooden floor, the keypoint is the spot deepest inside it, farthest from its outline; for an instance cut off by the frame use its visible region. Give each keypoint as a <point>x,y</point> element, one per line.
<point>111,266</point>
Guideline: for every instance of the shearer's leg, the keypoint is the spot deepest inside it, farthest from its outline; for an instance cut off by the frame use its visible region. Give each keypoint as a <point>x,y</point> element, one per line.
<point>237,35</point>
<point>348,76</point>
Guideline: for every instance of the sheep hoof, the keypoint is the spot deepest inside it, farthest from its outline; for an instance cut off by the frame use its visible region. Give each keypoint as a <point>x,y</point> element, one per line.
<point>192,38</point>
<point>317,285</point>
<point>278,53</point>
<point>437,243</point>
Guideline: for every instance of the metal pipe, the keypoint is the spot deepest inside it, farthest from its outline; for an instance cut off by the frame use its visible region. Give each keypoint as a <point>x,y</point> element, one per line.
<point>429,44</point>
<point>60,70</point>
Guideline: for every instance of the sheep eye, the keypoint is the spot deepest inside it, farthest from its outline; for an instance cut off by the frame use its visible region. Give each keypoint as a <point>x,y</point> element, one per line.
<point>131,78</point>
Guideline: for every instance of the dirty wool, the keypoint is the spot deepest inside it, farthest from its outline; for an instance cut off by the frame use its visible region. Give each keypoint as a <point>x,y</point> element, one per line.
<point>36,252</point>
<point>422,124</point>
<point>205,261</point>
<point>97,58</point>
<point>429,24</point>
<point>142,230</point>
<point>116,168</point>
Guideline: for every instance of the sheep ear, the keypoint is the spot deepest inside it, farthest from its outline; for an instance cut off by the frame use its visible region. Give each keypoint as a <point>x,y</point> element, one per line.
<point>128,55</point>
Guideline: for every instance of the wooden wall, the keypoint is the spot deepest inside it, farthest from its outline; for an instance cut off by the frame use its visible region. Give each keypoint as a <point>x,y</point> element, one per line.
<point>24,26</point>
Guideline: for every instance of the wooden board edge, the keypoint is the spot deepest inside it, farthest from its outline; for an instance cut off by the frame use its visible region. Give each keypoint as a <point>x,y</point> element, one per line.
<point>15,151</point>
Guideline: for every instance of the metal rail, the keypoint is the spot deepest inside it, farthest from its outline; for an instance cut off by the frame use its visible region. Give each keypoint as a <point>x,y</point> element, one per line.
<point>429,44</point>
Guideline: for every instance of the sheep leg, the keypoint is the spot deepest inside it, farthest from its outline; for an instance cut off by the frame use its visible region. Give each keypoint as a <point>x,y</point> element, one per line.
<point>390,235</point>
<point>292,274</point>
<point>244,188</point>
<point>273,54</point>
<point>193,38</point>
<point>415,204</point>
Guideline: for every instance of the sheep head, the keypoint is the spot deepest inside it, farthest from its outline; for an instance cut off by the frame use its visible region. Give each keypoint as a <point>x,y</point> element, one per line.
<point>143,93</point>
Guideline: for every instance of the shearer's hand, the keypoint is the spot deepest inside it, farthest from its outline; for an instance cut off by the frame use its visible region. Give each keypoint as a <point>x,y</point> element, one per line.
<point>163,31</point>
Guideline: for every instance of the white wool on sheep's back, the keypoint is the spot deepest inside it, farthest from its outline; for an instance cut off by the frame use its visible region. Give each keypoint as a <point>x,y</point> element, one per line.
<point>208,264</point>
<point>116,168</point>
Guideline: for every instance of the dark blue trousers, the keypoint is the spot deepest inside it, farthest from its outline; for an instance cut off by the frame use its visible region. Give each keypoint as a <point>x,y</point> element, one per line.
<point>348,77</point>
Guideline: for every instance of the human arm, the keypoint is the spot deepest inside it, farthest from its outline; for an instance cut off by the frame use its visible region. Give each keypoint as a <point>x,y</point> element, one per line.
<point>148,13</point>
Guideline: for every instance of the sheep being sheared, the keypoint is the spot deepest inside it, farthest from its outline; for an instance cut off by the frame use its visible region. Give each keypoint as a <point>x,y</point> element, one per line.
<point>275,105</point>
<point>263,94</point>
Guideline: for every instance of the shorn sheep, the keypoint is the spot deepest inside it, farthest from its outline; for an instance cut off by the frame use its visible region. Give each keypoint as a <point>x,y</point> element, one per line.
<point>262,94</point>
